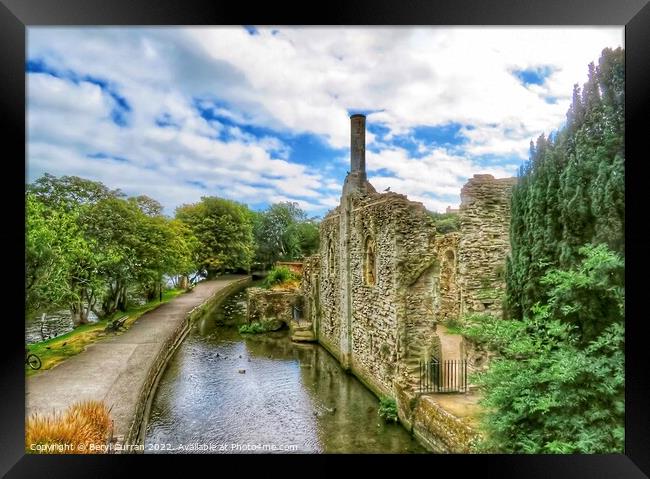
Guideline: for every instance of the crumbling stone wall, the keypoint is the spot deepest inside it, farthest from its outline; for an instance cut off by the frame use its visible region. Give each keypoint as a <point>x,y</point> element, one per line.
<point>273,307</point>
<point>484,243</point>
<point>402,233</point>
<point>440,430</point>
<point>379,319</point>
<point>390,301</point>
<point>384,283</point>
<point>482,250</point>
<point>310,289</point>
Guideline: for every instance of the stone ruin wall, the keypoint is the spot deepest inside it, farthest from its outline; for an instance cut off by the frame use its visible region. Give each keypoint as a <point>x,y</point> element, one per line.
<point>482,250</point>
<point>328,321</point>
<point>484,243</point>
<point>274,308</point>
<point>423,278</point>
<point>402,232</point>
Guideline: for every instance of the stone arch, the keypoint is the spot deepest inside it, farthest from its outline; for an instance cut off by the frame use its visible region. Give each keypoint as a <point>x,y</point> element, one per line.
<point>370,262</point>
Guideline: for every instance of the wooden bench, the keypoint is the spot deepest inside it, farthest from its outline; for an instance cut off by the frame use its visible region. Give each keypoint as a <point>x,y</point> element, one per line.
<point>116,324</point>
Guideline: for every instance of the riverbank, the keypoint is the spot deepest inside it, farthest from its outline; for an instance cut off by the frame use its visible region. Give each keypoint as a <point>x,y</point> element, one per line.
<point>56,350</point>
<point>121,370</point>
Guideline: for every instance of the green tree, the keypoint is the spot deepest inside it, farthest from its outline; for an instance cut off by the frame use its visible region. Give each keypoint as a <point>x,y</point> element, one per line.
<point>88,245</point>
<point>308,234</point>
<point>445,222</point>
<point>224,230</point>
<point>50,235</point>
<point>69,192</point>
<point>147,205</point>
<point>557,384</point>
<point>183,253</point>
<point>572,190</point>
<point>116,226</point>
<point>284,232</point>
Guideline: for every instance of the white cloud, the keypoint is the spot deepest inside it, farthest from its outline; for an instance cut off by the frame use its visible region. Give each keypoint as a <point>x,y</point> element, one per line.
<point>301,80</point>
<point>69,121</point>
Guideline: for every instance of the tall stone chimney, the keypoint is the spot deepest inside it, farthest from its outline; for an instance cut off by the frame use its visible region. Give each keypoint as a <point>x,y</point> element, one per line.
<point>358,145</point>
<point>357,181</point>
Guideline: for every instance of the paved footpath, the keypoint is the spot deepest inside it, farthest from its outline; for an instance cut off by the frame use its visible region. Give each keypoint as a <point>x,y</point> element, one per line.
<point>116,368</point>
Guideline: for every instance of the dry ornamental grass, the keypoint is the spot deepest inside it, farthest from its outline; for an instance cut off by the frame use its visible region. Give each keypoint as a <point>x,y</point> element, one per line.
<point>83,429</point>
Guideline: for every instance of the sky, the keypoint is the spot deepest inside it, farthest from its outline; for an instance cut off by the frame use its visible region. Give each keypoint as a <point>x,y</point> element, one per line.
<point>261,114</point>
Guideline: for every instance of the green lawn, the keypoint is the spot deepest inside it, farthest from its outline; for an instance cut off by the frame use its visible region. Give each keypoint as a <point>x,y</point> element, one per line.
<point>56,350</point>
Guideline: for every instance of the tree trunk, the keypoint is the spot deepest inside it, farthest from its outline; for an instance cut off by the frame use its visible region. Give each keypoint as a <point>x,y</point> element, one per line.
<point>184,283</point>
<point>78,316</point>
<point>122,304</point>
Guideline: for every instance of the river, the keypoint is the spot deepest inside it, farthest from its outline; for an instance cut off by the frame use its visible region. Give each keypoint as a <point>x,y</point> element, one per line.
<point>40,328</point>
<point>226,393</point>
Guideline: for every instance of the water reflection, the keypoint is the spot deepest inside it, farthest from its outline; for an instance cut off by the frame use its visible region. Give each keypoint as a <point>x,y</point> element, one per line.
<point>287,395</point>
<point>40,328</point>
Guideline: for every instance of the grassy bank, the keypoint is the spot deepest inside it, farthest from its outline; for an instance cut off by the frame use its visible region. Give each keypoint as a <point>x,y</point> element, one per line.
<point>56,350</point>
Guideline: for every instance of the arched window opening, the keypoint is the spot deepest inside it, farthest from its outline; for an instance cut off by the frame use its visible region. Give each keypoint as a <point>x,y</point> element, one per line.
<point>370,263</point>
<point>330,258</point>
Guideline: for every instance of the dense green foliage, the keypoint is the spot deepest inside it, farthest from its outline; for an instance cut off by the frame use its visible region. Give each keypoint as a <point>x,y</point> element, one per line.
<point>53,242</point>
<point>445,222</point>
<point>254,328</point>
<point>571,192</point>
<point>89,248</point>
<point>224,230</point>
<point>279,275</point>
<point>283,232</point>
<point>387,409</point>
<point>557,384</point>
<point>551,390</point>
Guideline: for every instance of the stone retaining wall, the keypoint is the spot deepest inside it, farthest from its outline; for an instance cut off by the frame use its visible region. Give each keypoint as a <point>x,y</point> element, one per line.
<point>439,430</point>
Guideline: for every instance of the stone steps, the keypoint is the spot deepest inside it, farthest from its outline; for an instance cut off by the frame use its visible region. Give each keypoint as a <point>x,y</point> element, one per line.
<point>303,335</point>
<point>301,328</point>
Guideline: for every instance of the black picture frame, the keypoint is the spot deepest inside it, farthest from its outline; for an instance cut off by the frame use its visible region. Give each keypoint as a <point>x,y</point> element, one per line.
<point>16,15</point>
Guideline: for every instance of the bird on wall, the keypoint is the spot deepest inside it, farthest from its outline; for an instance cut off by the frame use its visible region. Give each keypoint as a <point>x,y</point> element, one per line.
<point>387,189</point>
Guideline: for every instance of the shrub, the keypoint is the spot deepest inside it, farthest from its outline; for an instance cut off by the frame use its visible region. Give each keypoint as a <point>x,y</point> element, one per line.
<point>253,328</point>
<point>279,275</point>
<point>453,325</point>
<point>71,432</point>
<point>558,385</point>
<point>387,409</point>
<point>445,222</point>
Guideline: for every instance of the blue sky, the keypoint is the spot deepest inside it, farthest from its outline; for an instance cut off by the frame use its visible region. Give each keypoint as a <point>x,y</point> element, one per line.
<point>260,114</point>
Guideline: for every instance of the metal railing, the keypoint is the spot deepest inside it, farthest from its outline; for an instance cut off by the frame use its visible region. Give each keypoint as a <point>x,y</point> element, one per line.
<point>448,376</point>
